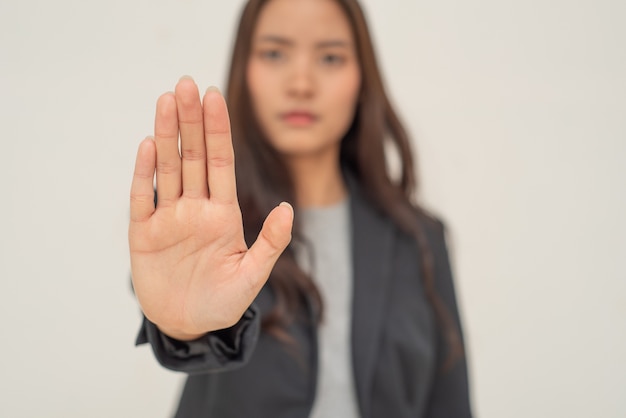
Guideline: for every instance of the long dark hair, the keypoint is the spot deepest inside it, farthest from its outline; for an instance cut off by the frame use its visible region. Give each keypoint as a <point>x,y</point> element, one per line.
<point>263,180</point>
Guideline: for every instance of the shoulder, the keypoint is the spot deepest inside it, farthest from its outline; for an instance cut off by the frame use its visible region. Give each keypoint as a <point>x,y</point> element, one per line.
<point>435,231</point>
<point>409,222</point>
<point>426,230</point>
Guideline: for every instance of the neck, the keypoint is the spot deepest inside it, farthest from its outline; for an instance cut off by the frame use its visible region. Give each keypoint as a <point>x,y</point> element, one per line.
<point>318,181</point>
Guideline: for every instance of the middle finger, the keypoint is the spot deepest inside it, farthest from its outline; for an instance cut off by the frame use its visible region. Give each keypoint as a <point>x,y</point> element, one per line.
<point>193,149</point>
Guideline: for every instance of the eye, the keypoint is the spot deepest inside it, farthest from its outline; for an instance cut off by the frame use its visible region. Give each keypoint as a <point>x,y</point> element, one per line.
<point>332,59</point>
<point>271,55</point>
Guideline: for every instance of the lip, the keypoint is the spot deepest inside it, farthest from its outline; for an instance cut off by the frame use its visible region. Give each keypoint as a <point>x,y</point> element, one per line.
<point>299,118</point>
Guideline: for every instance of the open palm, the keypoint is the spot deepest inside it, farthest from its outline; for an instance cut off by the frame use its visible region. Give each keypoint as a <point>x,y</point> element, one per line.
<point>192,271</point>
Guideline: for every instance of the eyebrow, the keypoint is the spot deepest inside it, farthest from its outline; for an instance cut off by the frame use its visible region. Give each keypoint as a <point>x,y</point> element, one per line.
<point>319,45</point>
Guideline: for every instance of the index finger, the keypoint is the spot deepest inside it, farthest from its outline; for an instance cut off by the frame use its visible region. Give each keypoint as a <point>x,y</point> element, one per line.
<point>219,147</point>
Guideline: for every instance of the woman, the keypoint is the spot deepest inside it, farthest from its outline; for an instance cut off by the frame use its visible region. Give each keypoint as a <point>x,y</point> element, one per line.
<point>358,317</point>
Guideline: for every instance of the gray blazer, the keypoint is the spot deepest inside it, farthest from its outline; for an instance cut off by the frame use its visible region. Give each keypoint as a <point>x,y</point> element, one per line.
<point>397,348</point>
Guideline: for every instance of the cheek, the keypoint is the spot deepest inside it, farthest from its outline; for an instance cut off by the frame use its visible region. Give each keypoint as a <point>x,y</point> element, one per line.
<point>260,90</point>
<point>254,79</point>
<point>351,87</point>
<point>345,98</point>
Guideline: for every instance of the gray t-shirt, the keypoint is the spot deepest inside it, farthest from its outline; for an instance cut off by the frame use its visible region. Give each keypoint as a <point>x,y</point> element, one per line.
<point>328,258</point>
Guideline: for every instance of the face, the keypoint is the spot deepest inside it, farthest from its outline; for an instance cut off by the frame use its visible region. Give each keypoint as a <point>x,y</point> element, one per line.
<point>304,77</point>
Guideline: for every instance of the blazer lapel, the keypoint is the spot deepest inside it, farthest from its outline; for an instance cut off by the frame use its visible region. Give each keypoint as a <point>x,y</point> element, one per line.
<point>373,237</point>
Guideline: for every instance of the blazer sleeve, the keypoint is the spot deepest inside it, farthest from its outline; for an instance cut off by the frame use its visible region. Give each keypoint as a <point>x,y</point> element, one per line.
<point>216,351</point>
<point>450,391</point>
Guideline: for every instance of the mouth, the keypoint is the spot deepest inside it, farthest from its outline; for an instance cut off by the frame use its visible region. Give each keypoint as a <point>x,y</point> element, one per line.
<point>298,118</point>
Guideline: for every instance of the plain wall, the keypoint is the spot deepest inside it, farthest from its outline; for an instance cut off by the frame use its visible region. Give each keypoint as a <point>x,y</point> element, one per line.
<point>518,113</point>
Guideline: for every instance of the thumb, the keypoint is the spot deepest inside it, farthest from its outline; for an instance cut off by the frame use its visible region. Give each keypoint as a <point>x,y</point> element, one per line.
<point>272,240</point>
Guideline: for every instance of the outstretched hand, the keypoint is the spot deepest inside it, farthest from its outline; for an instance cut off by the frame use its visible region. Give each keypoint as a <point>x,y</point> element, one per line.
<point>191,268</point>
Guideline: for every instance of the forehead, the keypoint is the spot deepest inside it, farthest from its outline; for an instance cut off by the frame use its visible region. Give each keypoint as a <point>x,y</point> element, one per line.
<point>304,20</point>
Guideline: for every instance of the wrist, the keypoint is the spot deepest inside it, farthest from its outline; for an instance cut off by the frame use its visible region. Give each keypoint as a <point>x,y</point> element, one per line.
<point>180,336</point>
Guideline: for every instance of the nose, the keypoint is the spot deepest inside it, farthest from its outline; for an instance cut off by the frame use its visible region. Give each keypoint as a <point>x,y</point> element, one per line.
<point>301,80</point>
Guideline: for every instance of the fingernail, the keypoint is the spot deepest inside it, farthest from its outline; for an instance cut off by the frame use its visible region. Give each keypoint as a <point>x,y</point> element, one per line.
<point>186,77</point>
<point>213,88</point>
<point>287,205</point>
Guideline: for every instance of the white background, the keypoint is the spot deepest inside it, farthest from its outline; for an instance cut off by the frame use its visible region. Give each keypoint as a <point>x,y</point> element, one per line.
<point>518,110</point>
